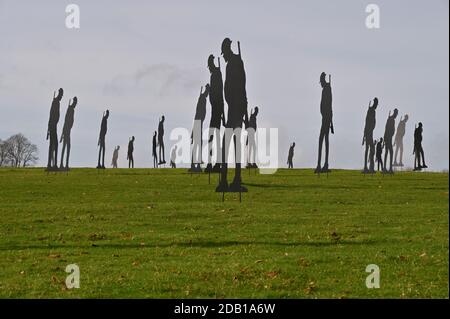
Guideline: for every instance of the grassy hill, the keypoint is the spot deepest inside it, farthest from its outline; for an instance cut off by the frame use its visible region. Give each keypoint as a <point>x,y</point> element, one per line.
<point>147,233</point>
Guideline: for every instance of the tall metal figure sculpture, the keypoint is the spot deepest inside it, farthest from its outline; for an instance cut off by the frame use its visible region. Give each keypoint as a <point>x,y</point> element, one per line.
<point>52,131</point>
<point>101,140</point>
<point>154,152</point>
<point>130,153</point>
<point>291,156</point>
<point>327,122</point>
<point>251,139</point>
<point>197,130</point>
<point>217,114</point>
<point>398,140</point>
<point>368,136</point>
<point>67,128</point>
<point>236,97</point>
<point>162,159</point>
<point>115,156</point>
<point>418,149</point>
<point>388,135</point>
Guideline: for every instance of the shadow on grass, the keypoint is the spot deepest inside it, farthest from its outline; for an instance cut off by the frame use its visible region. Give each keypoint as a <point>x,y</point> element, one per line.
<point>206,244</point>
<point>304,186</point>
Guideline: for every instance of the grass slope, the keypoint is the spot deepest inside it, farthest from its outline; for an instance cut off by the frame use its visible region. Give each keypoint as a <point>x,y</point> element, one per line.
<point>163,233</point>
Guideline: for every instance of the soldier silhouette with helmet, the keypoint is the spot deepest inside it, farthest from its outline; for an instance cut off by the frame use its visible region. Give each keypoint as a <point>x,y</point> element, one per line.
<point>236,97</point>
<point>217,114</point>
<point>65,136</point>
<point>368,137</point>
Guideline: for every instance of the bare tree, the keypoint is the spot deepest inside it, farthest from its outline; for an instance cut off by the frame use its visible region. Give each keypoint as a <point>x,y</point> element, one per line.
<point>3,153</point>
<point>30,155</point>
<point>19,151</point>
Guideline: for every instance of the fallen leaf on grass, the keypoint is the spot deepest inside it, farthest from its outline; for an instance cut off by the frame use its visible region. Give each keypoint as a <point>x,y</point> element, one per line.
<point>310,288</point>
<point>272,274</point>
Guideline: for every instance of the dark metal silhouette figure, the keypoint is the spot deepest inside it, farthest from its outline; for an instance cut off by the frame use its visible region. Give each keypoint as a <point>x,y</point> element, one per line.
<point>291,156</point>
<point>236,97</point>
<point>196,136</point>
<point>418,149</point>
<point>251,139</point>
<point>327,122</point>
<point>161,141</point>
<point>398,140</point>
<point>388,135</point>
<point>154,153</point>
<point>130,153</point>
<point>101,140</point>
<point>173,157</point>
<point>115,156</point>
<point>65,136</point>
<point>379,154</point>
<point>368,136</point>
<point>217,113</point>
<point>372,156</point>
<point>52,133</point>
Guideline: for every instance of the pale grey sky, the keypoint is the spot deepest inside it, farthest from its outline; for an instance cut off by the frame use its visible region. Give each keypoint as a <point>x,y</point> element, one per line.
<point>142,59</point>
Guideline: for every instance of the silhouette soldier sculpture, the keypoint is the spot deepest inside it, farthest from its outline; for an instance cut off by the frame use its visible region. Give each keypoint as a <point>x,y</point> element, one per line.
<point>372,156</point>
<point>236,97</point>
<point>398,140</point>
<point>115,156</point>
<point>327,122</point>
<point>65,137</point>
<point>418,149</point>
<point>101,140</point>
<point>388,135</point>
<point>173,157</point>
<point>52,133</point>
<point>251,139</point>
<point>217,114</point>
<point>291,156</point>
<point>161,141</point>
<point>196,136</point>
<point>154,153</point>
<point>130,153</point>
<point>379,154</point>
<point>368,135</point>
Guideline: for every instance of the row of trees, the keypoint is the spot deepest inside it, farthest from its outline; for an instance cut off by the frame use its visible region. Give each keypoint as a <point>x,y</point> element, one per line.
<point>18,151</point>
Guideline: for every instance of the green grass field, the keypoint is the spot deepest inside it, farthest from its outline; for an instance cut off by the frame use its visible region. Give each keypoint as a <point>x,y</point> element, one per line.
<point>148,233</point>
